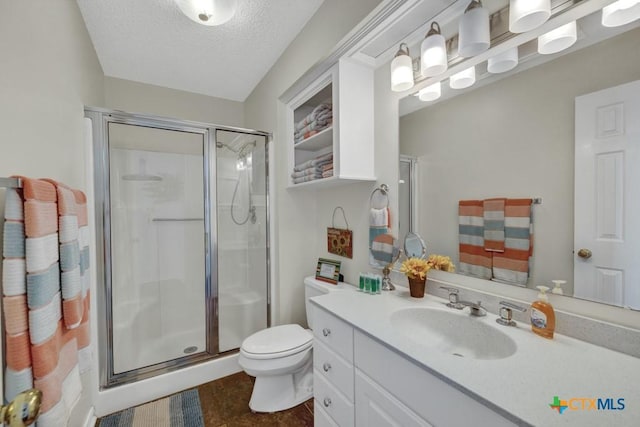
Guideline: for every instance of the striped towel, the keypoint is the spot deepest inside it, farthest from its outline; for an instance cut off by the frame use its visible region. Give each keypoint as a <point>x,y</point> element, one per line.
<point>513,265</point>
<point>474,259</point>
<point>320,110</point>
<point>383,248</point>
<point>493,213</point>
<point>319,161</point>
<point>45,321</point>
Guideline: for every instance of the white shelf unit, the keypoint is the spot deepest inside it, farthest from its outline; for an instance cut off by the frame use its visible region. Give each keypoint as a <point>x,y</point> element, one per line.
<point>349,87</point>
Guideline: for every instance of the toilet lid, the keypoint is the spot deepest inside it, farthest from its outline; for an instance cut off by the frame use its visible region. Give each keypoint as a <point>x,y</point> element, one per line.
<point>277,340</point>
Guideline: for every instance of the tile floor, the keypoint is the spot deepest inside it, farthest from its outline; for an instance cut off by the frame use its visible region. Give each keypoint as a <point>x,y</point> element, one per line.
<point>225,403</point>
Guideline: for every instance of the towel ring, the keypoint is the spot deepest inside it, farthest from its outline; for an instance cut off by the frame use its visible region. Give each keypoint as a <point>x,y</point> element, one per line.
<point>384,190</point>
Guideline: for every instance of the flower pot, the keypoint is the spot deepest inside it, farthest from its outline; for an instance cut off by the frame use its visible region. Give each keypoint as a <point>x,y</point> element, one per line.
<point>416,287</point>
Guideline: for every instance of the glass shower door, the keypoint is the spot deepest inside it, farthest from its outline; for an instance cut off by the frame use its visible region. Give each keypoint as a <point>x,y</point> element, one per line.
<point>157,240</point>
<point>242,235</point>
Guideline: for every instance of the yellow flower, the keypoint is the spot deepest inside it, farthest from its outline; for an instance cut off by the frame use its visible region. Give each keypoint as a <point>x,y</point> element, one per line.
<point>418,267</point>
<point>441,262</point>
<point>415,268</point>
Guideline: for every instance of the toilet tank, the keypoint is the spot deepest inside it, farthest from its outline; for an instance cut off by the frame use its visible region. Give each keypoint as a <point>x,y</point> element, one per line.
<point>314,287</point>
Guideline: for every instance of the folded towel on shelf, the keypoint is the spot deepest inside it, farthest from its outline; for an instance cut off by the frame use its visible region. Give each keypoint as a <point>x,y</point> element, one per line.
<point>474,260</point>
<point>318,111</point>
<point>493,214</point>
<point>306,178</point>
<point>327,167</point>
<point>327,173</point>
<point>313,170</point>
<point>318,161</point>
<point>313,129</point>
<point>514,264</point>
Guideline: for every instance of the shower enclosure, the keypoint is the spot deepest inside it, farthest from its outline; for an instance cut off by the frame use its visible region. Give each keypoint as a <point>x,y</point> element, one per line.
<point>183,207</point>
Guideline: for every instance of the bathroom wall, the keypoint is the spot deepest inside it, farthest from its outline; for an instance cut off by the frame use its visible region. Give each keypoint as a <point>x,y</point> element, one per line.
<point>139,97</point>
<point>491,141</point>
<point>300,218</point>
<point>49,72</point>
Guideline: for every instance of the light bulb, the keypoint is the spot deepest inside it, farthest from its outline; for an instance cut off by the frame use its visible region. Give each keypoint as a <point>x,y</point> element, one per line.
<point>208,12</point>
<point>525,15</point>
<point>620,13</point>
<point>433,53</point>
<point>503,62</point>
<point>430,93</point>
<point>559,39</point>
<point>402,70</point>
<point>463,79</point>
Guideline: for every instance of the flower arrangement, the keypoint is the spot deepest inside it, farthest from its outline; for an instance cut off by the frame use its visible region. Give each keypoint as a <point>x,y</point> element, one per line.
<point>417,268</point>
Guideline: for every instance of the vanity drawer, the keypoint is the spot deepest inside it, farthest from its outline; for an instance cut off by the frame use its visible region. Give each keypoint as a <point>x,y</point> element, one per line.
<point>332,401</point>
<point>333,332</point>
<point>320,417</point>
<point>338,371</point>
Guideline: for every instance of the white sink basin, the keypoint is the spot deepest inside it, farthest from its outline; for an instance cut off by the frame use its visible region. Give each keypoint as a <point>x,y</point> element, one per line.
<point>453,332</point>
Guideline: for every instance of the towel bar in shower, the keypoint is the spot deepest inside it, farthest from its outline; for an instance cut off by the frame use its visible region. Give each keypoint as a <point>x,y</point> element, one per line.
<point>176,219</point>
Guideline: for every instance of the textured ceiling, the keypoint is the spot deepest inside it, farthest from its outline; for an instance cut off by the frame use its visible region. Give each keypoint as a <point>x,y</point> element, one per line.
<point>151,41</point>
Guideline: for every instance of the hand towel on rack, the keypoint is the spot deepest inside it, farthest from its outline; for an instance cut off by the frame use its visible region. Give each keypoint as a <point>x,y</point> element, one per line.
<point>493,214</point>
<point>383,248</point>
<point>474,260</point>
<point>378,223</point>
<point>41,350</point>
<point>513,265</point>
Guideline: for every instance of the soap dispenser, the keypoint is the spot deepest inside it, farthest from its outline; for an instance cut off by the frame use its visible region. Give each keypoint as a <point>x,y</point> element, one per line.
<point>557,287</point>
<point>543,318</point>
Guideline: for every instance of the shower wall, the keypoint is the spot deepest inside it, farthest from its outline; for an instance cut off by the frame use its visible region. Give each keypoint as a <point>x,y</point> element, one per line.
<point>242,249</point>
<point>158,269</point>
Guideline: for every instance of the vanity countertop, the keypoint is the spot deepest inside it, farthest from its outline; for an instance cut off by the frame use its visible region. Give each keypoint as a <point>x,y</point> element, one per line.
<point>521,386</point>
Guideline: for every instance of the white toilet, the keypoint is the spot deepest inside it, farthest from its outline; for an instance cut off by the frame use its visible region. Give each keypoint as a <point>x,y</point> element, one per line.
<point>281,358</point>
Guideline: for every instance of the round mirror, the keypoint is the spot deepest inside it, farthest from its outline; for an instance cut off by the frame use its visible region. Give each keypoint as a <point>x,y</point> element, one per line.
<point>414,246</point>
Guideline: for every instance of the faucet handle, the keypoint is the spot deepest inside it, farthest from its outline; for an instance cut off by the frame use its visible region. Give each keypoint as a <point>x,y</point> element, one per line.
<point>513,306</point>
<point>506,313</point>
<point>453,297</point>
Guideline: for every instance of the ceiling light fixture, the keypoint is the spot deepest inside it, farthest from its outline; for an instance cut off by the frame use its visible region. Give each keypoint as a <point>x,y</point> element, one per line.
<point>463,79</point>
<point>430,93</point>
<point>525,15</point>
<point>433,52</point>
<point>559,39</point>
<point>503,62</point>
<point>402,70</point>
<point>620,13</point>
<point>208,12</point>
<point>474,35</point>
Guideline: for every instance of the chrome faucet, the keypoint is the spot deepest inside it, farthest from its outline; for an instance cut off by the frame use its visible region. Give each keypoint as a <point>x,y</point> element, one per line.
<point>475,309</point>
<point>453,298</point>
<point>506,313</point>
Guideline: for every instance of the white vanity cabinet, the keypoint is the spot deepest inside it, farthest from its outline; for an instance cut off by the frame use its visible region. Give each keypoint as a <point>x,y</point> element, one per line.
<point>360,381</point>
<point>348,87</point>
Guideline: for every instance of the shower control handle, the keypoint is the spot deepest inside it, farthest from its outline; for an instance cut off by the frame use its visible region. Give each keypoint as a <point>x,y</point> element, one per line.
<point>326,332</point>
<point>327,402</point>
<point>326,366</point>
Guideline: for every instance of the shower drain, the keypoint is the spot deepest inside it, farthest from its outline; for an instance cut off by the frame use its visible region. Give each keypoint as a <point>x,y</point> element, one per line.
<point>190,349</point>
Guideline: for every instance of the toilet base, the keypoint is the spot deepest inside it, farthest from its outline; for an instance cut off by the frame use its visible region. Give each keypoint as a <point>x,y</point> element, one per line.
<point>281,392</point>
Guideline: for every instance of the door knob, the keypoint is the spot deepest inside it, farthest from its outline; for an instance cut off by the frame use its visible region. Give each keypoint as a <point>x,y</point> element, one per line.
<point>23,410</point>
<point>584,253</point>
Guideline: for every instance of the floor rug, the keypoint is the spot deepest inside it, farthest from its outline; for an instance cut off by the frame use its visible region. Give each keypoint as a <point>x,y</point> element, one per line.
<point>178,410</point>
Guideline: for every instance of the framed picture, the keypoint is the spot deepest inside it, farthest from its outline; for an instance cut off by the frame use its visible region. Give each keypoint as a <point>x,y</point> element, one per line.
<point>328,270</point>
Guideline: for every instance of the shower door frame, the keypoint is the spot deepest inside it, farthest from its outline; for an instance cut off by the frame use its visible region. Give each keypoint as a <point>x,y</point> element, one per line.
<point>100,120</point>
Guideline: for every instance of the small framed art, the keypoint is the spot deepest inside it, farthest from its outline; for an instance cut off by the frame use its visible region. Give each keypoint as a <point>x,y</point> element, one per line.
<point>328,270</point>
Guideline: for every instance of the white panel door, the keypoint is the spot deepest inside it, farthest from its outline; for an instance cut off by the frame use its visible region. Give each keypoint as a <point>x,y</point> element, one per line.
<point>607,196</point>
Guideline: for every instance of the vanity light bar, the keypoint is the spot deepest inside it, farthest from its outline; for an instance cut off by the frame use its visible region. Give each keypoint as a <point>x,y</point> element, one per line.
<point>499,27</point>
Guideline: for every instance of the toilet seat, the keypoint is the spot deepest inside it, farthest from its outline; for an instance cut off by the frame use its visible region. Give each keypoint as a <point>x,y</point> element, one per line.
<point>276,342</point>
